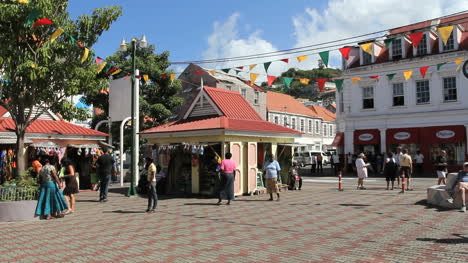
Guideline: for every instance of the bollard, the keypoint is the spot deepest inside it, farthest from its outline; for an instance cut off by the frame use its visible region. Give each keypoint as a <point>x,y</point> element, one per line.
<point>340,181</point>
<point>403,184</point>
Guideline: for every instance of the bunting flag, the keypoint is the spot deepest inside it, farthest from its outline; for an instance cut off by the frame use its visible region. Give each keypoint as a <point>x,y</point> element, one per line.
<point>237,71</point>
<point>42,22</point>
<point>164,75</point>
<point>416,38</point>
<point>345,52</point>
<point>33,15</point>
<point>101,67</point>
<point>391,76</point>
<point>252,66</point>
<point>56,34</point>
<point>85,55</point>
<point>367,47</point>
<point>72,39</point>
<point>127,75</point>
<point>285,60</point>
<point>339,84</point>
<point>301,58</point>
<point>98,60</point>
<point>458,62</point>
<point>146,78</point>
<point>376,77</point>
<point>321,84</point>
<point>270,79</point>
<point>241,67</point>
<point>408,74</point>
<point>355,80</point>
<point>112,70</point>
<point>445,32</point>
<point>225,70</point>
<point>440,65</point>
<point>388,42</point>
<point>173,76</point>
<point>423,71</point>
<point>304,81</point>
<point>325,55</point>
<point>198,72</point>
<point>79,44</point>
<point>287,81</point>
<point>23,1</point>
<point>266,65</point>
<point>212,71</point>
<point>116,72</point>
<point>253,77</point>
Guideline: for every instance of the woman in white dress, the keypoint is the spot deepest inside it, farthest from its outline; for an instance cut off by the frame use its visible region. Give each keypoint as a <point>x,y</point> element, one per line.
<point>361,167</point>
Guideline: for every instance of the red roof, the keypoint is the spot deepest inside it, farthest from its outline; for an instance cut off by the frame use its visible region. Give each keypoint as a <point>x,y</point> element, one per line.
<point>285,103</point>
<point>232,104</point>
<point>323,113</point>
<point>50,127</point>
<point>456,19</point>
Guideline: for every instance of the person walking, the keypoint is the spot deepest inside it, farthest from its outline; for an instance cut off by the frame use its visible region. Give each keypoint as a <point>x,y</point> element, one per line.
<point>152,192</point>
<point>319,163</point>
<point>313,161</point>
<point>419,159</point>
<point>104,170</point>
<point>349,159</point>
<point>390,170</point>
<point>441,167</point>
<point>228,175</point>
<point>71,185</point>
<point>397,159</point>
<point>361,167</point>
<point>462,183</point>
<point>51,202</point>
<point>272,169</point>
<point>336,162</point>
<point>406,167</point>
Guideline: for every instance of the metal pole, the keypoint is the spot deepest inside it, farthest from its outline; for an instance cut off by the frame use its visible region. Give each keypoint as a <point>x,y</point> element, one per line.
<point>122,126</point>
<point>137,126</point>
<point>132,190</point>
<point>110,131</point>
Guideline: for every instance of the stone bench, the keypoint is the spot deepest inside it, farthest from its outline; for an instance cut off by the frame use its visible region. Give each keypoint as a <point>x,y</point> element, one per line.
<point>437,195</point>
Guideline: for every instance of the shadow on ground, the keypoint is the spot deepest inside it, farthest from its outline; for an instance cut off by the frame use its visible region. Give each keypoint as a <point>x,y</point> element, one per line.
<point>459,240</point>
<point>430,206</point>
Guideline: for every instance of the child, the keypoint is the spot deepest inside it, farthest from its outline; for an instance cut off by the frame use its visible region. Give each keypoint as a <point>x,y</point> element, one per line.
<point>295,179</point>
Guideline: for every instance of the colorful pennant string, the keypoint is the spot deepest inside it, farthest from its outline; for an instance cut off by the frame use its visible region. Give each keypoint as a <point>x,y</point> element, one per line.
<point>145,78</point>
<point>391,76</point>
<point>355,80</point>
<point>42,22</point>
<point>287,81</point>
<point>301,58</point>
<point>339,84</point>
<point>416,38</point>
<point>458,62</point>
<point>376,77</point>
<point>407,74</point>
<point>388,42</point>
<point>445,32</point>
<point>270,80</point>
<point>321,84</point>
<point>33,15</point>
<point>56,34</point>
<point>225,70</point>
<point>325,56</point>
<point>116,72</point>
<point>304,81</point>
<point>101,67</point>
<point>440,65</point>
<point>252,66</point>
<point>253,77</point>
<point>345,52</point>
<point>173,76</point>
<point>85,55</point>
<point>285,60</point>
<point>266,65</point>
<point>367,47</point>
<point>423,71</point>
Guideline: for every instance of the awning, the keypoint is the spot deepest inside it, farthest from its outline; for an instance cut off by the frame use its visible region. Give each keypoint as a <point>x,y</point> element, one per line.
<point>45,145</point>
<point>12,141</point>
<point>339,140</point>
<point>88,146</point>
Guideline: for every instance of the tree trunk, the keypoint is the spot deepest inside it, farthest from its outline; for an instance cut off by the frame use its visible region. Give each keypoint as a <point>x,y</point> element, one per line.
<point>20,157</point>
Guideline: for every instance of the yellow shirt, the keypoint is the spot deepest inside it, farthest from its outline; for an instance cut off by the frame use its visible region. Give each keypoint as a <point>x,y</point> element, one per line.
<point>405,160</point>
<point>152,173</point>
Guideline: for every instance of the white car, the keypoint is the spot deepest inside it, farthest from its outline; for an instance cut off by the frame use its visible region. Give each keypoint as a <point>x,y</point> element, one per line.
<point>304,158</point>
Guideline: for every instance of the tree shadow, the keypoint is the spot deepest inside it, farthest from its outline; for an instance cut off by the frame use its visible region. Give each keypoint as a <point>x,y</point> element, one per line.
<point>354,205</point>
<point>207,204</point>
<point>87,201</point>
<point>454,241</point>
<point>125,212</point>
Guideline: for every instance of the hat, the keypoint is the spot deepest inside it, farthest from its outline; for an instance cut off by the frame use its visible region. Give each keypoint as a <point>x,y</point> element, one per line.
<point>465,164</point>
<point>361,155</point>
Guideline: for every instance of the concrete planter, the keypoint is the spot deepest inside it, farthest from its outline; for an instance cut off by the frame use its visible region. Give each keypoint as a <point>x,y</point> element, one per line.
<point>18,211</point>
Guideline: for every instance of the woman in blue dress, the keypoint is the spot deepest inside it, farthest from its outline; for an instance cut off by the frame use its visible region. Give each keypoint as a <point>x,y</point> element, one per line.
<point>51,200</point>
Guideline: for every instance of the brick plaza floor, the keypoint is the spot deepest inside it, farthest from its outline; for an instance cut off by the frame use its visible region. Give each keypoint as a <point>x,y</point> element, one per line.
<point>317,224</point>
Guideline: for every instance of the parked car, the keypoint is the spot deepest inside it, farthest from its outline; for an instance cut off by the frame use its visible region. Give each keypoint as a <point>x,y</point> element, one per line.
<point>304,158</point>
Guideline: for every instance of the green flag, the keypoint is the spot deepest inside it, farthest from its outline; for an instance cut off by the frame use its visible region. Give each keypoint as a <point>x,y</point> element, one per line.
<point>339,84</point>
<point>391,76</point>
<point>237,71</point>
<point>72,39</point>
<point>287,81</point>
<point>324,56</point>
<point>388,42</point>
<point>266,65</point>
<point>35,13</point>
<point>226,70</point>
<point>440,65</point>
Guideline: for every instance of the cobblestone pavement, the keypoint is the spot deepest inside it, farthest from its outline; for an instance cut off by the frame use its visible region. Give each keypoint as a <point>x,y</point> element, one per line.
<point>317,224</point>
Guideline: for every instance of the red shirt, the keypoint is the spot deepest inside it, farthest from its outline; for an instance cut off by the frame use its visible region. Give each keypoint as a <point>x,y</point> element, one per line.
<point>228,166</point>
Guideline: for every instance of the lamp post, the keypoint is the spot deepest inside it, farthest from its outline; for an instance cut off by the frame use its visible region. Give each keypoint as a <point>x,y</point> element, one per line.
<point>135,113</point>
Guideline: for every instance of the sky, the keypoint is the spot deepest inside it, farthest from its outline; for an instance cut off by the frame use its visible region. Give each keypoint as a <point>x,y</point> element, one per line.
<point>204,29</point>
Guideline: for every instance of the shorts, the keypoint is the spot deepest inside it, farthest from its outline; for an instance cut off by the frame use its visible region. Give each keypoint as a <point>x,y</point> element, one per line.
<point>406,170</point>
<point>441,174</point>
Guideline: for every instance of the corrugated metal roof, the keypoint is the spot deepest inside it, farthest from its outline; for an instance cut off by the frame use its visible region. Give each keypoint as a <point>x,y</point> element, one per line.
<point>232,104</point>
<point>285,103</point>
<point>323,113</point>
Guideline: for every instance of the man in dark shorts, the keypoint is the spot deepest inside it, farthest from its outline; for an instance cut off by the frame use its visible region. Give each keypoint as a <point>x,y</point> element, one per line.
<point>441,167</point>
<point>104,170</point>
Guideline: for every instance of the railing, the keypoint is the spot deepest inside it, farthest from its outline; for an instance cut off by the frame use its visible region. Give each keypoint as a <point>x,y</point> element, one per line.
<point>12,193</point>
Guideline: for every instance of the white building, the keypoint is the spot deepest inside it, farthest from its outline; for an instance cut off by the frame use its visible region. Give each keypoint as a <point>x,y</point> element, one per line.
<point>422,113</point>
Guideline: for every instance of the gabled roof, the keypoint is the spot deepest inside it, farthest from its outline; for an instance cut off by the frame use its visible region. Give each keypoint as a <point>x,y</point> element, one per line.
<point>323,113</point>
<point>232,104</point>
<point>455,19</point>
<point>285,103</point>
<point>50,127</point>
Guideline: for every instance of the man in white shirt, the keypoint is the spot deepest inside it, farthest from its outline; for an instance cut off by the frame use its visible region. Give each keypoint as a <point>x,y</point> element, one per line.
<point>419,159</point>
<point>397,159</point>
<point>336,162</point>
<point>313,161</point>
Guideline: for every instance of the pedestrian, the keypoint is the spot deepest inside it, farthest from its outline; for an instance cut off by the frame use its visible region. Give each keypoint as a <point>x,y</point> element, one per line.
<point>390,170</point>
<point>36,167</point>
<point>104,170</point>
<point>406,167</point>
<point>361,168</point>
<point>349,159</point>
<point>336,162</point>
<point>441,167</point>
<point>397,159</point>
<point>272,169</point>
<point>462,182</point>
<point>71,185</point>
<point>313,161</point>
<point>319,163</point>
<point>294,177</point>
<point>151,179</point>
<point>51,202</point>
<point>419,159</point>
<point>380,162</point>
<point>228,176</point>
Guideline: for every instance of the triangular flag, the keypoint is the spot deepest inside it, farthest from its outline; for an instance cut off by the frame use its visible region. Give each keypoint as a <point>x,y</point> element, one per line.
<point>355,80</point>
<point>173,76</point>
<point>23,1</point>
<point>56,34</point>
<point>241,67</point>
<point>212,71</point>
<point>388,42</point>
<point>345,52</point>
<point>253,77</point>
<point>33,15</point>
<point>163,75</point>
<point>266,65</point>
<point>416,38</point>
<point>127,75</point>
<point>237,71</point>
<point>79,44</point>
<point>423,71</point>
<point>445,33</point>
<point>367,47</point>
<point>391,76</point>
<point>324,56</point>
<point>113,69</point>
<point>408,74</point>
<point>321,84</point>
<point>116,72</point>
<point>285,60</point>
<point>199,72</point>
<point>440,65</point>
<point>301,58</point>
<point>146,78</point>
<point>72,39</point>
<point>85,55</point>
<point>101,67</point>
<point>287,81</point>
<point>42,22</point>
<point>107,68</point>
<point>225,70</point>
<point>458,62</point>
<point>304,81</point>
<point>339,84</point>
<point>98,60</point>
<point>374,77</point>
<point>252,66</point>
<point>271,79</point>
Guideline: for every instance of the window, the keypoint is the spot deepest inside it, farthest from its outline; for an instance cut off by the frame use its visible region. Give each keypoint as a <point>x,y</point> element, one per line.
<point>455,152</point>
<point>450,43</point>
<point>302,125</point>
<point>422,47</point>
<point>228,87</point>
<point>293,121</point>
<point>397,51</point>
<point>422,92</point>
<point>276,119</point>
<point>366,58</point>
<point>285,121</point>
<point>310,126</point>
<point>324,130</point>
<point>340,98</point>
<point>317,127</point>
<point>331,130</point>
<point>450,89</point>
<point>256,99</point>
<point>368,97</point>
<point>398,94</point>
<point>244,93</point>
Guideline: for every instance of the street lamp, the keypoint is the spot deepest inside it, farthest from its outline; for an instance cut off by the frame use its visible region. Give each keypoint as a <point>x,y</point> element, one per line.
<point>135,112</point>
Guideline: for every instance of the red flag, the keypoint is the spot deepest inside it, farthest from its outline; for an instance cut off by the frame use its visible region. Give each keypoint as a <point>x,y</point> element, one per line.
<point>164,75</point>
<point>285,60</point>
<point>321,84</point>
<point>111,70</point>
<point>271,79</point>
<point>345,52</point>
<point>416,38</point>
<point>423,71</point>
<point>98,60</point>
<point>79,43</point>
<point>374,77</point>
<point>42,22</point>
<point>241,68</point>
<point>127,75</point>
<point>198,72</point>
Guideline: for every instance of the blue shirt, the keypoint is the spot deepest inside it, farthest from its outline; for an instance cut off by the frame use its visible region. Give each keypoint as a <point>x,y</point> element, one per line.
<point>464,178</point>
<point>271,169</point>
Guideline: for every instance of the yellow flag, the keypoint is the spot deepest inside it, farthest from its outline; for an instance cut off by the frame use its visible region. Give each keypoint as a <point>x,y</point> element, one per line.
<point>408,74</point>
<point>253,77</point>
<point>56,34</point>
<point>355,80</point>
<point>301,58</point>
<point>146,77</point>
<point>458,61</point>
<point>85,55</point>
<point>101,67</point>
<point>23,1</point>
<point>445,32</point>
<point>116,72</point>
<point>304,81</point>
<point>252,66</point>
<point>367,47</point>
<point>173,75</point>
<point>212,71</point>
